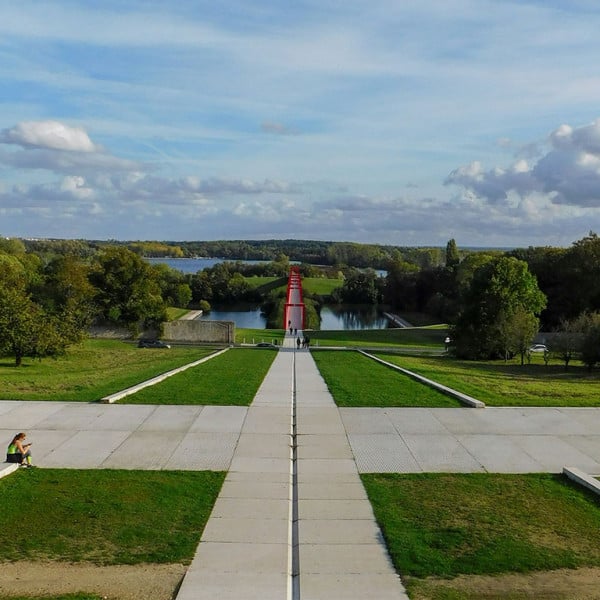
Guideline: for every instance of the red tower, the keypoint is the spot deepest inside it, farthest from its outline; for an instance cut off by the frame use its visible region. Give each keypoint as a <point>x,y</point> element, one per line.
<point>293,314</point>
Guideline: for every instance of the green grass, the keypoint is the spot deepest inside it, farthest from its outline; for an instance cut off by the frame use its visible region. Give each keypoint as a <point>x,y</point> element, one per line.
<point>90,371</point>
<point>174,313</point>
<point>413,338</point>
<point>104,516</point>
<point>355,380</point>
<point>321,286</point>
<point>450,524</point>
<point>509,384</point>
<point>232,378</point>
<point>254,336</point>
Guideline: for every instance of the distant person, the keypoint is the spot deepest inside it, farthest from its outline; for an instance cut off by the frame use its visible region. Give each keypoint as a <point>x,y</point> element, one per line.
<point>298,342</point>
<point>18,451</point>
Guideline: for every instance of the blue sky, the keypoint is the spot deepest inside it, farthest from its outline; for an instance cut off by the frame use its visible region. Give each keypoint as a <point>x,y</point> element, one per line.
<point>386,121</point>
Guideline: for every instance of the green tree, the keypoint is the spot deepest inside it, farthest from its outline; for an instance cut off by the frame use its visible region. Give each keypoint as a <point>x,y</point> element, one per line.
<point>452,255</point>
<point>589,324</point>
<point>25,328</point>
<point>516,330</point>
<point>128,292</point>
<point>499,290</point>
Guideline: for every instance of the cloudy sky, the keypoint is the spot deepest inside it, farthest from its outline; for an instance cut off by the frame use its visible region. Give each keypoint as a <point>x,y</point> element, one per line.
<point>386,121</point>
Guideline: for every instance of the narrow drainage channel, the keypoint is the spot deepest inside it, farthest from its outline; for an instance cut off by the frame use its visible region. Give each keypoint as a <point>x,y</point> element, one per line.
<point>294,588</point>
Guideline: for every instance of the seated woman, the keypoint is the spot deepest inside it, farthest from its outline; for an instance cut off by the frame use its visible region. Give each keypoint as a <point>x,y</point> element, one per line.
<point>19,452</point>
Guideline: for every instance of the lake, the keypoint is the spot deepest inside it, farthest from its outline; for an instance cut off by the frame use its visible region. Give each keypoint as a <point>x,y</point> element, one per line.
<point>336,318</point>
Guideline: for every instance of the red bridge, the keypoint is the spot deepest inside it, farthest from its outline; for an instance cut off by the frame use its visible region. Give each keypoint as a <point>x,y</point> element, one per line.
<point>293,314</point>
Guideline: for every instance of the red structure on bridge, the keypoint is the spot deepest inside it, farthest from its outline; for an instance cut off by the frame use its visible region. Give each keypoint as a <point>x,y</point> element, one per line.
<point>293,313</point>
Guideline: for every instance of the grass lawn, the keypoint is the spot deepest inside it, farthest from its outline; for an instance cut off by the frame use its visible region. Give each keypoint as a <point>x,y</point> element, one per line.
<point>90,371</point>
<point>254,336</point>
<point>174,313</point>
<point>322,286</point>
<point>355,380</point>
<point>232,378</point>
<point>509,384</point>
<point>450,524</point>
<point>414,338</point>
<point>104,516</point>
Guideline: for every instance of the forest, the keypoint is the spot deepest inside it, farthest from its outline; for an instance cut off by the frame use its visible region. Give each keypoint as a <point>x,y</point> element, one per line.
<point>494,301</point>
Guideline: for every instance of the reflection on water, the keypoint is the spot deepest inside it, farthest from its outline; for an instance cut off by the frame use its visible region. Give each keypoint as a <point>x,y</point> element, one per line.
<point>244,316</point>
<point>337,318</point>
<point>346,318</point>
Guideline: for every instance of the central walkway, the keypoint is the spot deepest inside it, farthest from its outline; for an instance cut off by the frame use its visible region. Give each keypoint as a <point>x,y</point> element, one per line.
<point>292,520</point>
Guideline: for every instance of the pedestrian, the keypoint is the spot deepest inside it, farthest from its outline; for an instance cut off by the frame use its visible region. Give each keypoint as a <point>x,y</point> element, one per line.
<point>18,451</point>
<point>298,342</point>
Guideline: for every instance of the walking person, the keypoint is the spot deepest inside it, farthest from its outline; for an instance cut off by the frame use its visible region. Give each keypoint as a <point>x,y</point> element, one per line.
<point>18,451</point>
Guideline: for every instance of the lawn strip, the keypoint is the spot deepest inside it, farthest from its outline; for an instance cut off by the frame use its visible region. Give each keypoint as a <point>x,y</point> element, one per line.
<point>449,524</point>
<point>357,381</point>
<point>105,516</point>
<point>231,379</point>
<point>91,371</point>
<point>416,339</point>
<point>499,383</point>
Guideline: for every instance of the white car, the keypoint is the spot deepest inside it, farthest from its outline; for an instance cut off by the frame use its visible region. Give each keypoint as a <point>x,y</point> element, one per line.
<point>538,348</point>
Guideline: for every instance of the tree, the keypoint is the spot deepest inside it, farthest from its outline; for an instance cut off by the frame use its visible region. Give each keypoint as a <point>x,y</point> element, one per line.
<point>499,290</point>
<point>128,292</point>
<point>452,255</point>
<point>590,342</point>
<point>360,287</point>
<point>25,328</point>
<point>566,342</point>
<point>516,331</point>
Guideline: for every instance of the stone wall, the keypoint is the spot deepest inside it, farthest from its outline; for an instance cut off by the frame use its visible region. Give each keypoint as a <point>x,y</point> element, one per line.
<point>222,332</point>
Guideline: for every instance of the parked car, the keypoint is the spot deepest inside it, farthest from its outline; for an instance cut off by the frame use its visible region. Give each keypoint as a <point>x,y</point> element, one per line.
<point>538,348</point>
<point>152,344</point>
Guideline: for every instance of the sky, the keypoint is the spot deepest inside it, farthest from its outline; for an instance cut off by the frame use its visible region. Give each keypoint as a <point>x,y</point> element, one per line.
<point>384,121</point>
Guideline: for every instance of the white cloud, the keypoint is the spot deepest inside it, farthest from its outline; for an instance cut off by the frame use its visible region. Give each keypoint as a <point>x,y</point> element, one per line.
<point>52,135</point>
<point>567,173</point>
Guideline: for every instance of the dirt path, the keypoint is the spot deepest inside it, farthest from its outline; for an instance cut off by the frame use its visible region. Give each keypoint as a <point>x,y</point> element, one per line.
<point>120,582</point>
<point>563,584</point>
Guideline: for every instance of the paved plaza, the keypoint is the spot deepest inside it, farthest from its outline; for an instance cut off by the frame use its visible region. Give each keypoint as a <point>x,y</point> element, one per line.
<point>292,519</point>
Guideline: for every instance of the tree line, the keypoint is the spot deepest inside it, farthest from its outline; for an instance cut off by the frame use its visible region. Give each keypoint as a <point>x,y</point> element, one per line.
<point>495,301</point>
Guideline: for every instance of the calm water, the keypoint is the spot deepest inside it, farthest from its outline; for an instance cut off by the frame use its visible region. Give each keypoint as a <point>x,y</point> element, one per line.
<point>336,318</point>
<point>193,265</point>
<point>332,318</point>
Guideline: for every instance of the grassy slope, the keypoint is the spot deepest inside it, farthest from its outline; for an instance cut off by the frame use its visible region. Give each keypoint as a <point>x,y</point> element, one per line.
<point>447,524</point>
<point>355,380</point>
<point>105,516</point>
<point>232,378</point>
<point>90,371</point>
<point>509,384</point>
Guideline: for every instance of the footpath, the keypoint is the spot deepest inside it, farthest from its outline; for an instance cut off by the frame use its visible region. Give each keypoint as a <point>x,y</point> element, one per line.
<point>292,520</point>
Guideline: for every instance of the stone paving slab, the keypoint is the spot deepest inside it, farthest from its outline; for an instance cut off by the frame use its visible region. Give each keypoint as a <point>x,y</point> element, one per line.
<point>255,489</point>
<point>331,491</point>
<point>251,508</point>
<point>246,530</point>
<point>25,416</point>
<point>219,418</point>
<point>441,453</point>
<point>351,586</point>
<point>339,531</point>
<point>171,418</point>
<point>500,454</point>
<point>204,451</point>
<point>144,449</point>
<point>84,450</point>
<point>205,584</point>
<point>383,453</point>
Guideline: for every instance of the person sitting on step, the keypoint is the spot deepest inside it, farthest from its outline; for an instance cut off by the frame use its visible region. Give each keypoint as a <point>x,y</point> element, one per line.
<point>18,451</point>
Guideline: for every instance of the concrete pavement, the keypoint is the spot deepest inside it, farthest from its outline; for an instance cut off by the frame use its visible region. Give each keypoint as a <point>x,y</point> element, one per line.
<point>292,519</point>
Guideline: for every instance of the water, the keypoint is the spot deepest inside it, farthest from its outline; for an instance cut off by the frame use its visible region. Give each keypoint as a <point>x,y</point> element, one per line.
<point>244,317</point>
<point>348,318</point>
<point>193,265</point>
<point>337,318</point>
